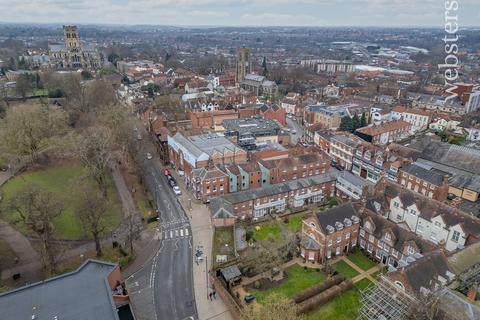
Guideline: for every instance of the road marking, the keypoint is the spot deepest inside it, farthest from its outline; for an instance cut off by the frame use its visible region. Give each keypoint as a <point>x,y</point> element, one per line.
<point>186,232</point>
<point>171,234</point>
<point>176,233</point>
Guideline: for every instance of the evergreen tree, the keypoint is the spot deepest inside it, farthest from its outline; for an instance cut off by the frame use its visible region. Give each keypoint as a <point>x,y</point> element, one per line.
<point>264,67</point>
<point>346,124</point>
<point>363,120</point>
<point>355,122</point>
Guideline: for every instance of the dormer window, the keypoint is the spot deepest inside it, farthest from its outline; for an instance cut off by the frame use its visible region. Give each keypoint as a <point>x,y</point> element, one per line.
<point>379,161</point>
<point>359,153</point>
<point>312,224</point>
<point>394,169</point>
<point>388,237</point>
<point>413,212</point>
<point>396,204</point>
<point>367,155</point>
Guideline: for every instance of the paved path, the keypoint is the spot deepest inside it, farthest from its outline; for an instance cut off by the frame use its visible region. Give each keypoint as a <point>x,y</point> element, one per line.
<point>202,232</point>
<point>361,273</point>
<point>128,204</point>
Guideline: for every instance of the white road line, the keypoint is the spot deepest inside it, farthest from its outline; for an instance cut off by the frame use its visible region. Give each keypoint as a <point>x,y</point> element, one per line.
<point>186,232</point>
<point>171,234</point>
<point>176,233</point>
<point>181,232</point>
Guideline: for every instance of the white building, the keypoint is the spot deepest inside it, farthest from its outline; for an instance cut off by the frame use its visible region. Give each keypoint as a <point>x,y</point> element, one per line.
<point>419,119</point>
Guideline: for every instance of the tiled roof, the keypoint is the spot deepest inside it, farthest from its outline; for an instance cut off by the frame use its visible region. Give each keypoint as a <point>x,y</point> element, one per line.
<point>384,127</point>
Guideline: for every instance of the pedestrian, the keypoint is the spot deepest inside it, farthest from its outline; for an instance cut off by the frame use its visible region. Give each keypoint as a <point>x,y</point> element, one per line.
<point>215,295</point>
<point>210,296</point>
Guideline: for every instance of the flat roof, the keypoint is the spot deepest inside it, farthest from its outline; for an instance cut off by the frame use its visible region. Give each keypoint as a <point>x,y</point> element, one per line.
<point>83,294</point>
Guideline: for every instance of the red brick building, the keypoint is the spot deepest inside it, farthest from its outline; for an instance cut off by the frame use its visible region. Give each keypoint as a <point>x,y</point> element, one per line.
<point>385,133</point>
<point>427,182</point>
<point>274,112</point>
<point>329,234</point>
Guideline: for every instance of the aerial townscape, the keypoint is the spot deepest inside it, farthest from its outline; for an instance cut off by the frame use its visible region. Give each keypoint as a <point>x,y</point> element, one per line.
<point>248,161</point>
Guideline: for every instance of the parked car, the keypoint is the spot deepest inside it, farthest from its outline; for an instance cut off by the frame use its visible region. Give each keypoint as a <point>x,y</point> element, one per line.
<point>172,183</point>
<point>249,298</point>
<point>294,131</point>
<point>149,156</point>
<point>177,190</point>
<point>166,172</point>
<point>139,136</point>
<point>170,178</point>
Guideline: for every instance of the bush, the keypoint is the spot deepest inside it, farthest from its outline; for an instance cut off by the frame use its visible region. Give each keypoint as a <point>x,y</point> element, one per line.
<point>249,235</point>
<point>55,93</point>
<point>151,219</point>
<point>324,297</point>
<point>286,220</point>
<point>316,289</point>
<point>122,251</point>
<point>257,285</point>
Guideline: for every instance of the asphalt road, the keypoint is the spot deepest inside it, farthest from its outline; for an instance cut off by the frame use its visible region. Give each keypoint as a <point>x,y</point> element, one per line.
<point>294,125</point>
<point>163,287</point>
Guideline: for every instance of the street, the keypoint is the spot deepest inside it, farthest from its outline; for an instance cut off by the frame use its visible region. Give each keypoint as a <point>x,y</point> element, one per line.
<point>163,287</point>
<point>294,125</point>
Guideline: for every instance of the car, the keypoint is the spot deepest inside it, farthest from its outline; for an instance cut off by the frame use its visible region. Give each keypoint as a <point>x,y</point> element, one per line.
<point>289,116</point>
<point>249,298</point>
<point>170,178</point>
<point>294,131</point>
<point>149,156</point>
<point>172,183</point>
<point>177,190</point>
<point>139,136</point>
<point>166,172</point>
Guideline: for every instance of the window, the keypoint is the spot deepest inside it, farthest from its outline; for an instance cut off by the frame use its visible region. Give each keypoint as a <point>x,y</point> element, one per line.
<point>388,237</point>
<point>339,239</point>
<point>330,242</point>
<point>419,228</point>
<point>399,217</point>
<point>455,236</point>
<point>362,232</point>
<point>378,254</point>
<point>371,238</point>
<point>433,236</point>
<point>394,253</point>
<point>362,243</point>
<point>410,250</point>
<point>347,236</point>
<point>369,248</point>
<point>413,212</point>
<point>380,244</point>
<point>396,204</point>
<point>337,251</point>
<point>437,224</point>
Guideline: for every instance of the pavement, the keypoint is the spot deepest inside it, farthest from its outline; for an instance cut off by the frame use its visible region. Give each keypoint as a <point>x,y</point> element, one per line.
<point>202,232</point>
<point>162,287</point>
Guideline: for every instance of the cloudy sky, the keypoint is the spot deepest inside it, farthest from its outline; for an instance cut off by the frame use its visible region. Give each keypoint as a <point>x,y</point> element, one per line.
<point>240,12</point>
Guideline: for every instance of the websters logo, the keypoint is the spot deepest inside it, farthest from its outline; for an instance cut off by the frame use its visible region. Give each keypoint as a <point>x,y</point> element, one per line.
<point>451,64</point>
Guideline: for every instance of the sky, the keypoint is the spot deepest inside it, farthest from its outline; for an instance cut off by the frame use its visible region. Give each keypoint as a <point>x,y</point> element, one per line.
<point>394,13</point>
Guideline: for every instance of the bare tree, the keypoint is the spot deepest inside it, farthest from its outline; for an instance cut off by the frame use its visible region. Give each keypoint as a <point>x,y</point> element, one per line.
<point>38,209</point>
<point>94,150</point>
<point>23,85</point>
<point>133,226</point>
<point>91,212</point>
<point>26,130</point>
<point>275,307</point>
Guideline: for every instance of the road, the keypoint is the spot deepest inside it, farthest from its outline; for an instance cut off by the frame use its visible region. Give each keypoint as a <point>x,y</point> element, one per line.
<point>294,125</point>
<point>163,287</point>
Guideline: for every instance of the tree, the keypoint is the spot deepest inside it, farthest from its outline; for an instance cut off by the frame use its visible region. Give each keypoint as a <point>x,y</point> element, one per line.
<point>275,307</point>
<point>91,213</point>
<point>264,67</point>
<point>86,75</point>
<point>355,122</point>
<point>38,209</point>
<point>26,130</point>
<point>23,85</point>
<point>363,120</point>
<point>346,124</point>
<point>3,108</point>
<point>94,150</point>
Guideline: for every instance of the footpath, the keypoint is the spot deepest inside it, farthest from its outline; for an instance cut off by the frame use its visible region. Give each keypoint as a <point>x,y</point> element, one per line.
<point>202,233</point>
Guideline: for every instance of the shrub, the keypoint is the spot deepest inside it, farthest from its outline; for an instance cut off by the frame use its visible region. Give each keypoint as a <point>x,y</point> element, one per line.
<point>249,235</point>
<point>286,220</point>
<point>324,297</point>
<point>316,289</point>
<point>257,285</point>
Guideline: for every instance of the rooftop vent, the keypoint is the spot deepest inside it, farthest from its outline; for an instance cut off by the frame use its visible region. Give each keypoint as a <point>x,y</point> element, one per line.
<point>330,229</point>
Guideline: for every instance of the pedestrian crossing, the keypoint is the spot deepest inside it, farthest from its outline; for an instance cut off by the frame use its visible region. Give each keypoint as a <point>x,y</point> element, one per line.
<point>176,233</point>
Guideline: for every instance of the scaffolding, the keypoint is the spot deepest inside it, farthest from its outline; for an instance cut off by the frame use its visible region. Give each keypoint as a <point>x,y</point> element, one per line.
<point>385,301</point>
<point>469,278</point>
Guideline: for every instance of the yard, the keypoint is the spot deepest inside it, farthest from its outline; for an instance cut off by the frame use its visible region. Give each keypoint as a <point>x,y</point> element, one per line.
<point>64,181</point>
<point>272,229</point>
<point>362,261</point>
<point>343,307</point>
<point>223,243</point>
<point>344,269</point>
<point>297,280</point>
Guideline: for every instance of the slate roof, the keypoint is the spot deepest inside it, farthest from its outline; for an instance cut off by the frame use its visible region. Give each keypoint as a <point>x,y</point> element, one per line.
<point>230,273</point>
<point>419,171</point>
<point>425,270</point>
<point>83,294</point>
<point>337,214</point>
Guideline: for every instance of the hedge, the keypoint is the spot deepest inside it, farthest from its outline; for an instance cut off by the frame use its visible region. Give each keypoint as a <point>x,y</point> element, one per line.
<point>325,296</point>
<point>316,289</point>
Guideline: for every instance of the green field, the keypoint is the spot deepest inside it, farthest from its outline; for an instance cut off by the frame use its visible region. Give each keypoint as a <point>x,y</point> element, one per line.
<point>64,181</point>
<point>344,269</point>
<point>344,307</point>
<point>362,261</point>
<point>298,279</point>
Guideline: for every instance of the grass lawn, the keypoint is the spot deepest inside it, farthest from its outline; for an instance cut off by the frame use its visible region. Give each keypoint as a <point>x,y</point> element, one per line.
<point>62,180</point>
<point>343,268</point>
<point>362,261</point>
<point>7,255</point>
<point>298,279</point>
<point>223,242</point>
<point>343,307</point>
<point>272,229</point>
